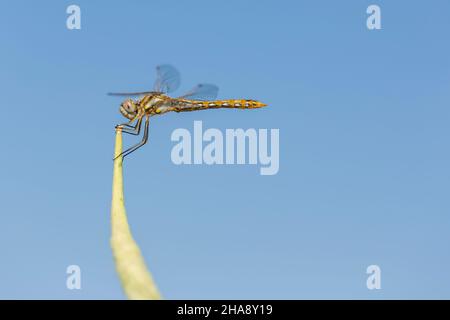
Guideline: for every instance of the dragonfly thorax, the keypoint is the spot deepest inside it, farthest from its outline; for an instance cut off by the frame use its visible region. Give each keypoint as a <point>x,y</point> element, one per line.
<point>128,109</point>
<point>155,99</point>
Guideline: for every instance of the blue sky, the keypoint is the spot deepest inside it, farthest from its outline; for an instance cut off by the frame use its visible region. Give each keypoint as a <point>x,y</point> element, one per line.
<point>364,152</point>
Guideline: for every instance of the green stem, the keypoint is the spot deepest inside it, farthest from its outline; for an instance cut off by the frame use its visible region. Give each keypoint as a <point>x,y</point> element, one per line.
<point>137,281</point>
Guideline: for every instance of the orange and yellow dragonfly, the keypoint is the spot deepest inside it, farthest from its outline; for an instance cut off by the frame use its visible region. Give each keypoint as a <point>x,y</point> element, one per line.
<point>157,102</point>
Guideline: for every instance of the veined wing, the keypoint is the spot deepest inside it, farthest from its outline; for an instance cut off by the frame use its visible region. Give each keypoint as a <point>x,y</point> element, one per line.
<point>202,91</point>
<point>167,79</point>
<point>128,94</point>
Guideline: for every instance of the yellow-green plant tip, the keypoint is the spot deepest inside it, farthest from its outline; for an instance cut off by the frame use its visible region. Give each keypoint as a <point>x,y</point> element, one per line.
<point>137,282</point>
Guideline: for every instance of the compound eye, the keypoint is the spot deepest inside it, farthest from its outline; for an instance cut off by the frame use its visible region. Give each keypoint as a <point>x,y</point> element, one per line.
<point>129,106</point>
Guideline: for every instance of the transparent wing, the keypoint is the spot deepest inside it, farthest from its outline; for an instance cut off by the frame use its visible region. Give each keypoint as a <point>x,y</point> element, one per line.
<point>128,94</point>
<point>202,91</point>
<point>167,79</point>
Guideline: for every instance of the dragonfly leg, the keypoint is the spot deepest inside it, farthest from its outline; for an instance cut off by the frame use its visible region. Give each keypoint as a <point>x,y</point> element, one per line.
<point>127,128</point>
<point>140,144</point>
<point>126,124</point>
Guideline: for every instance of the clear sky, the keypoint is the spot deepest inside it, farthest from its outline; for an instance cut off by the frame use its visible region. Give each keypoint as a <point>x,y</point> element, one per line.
<point>364,149</point>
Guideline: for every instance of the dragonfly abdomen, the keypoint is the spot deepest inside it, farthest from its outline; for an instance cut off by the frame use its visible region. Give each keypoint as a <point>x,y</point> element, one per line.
<point>191,105</point>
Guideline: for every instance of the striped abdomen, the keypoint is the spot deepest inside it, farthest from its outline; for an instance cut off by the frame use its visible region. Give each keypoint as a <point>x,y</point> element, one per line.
<point>192,105</point>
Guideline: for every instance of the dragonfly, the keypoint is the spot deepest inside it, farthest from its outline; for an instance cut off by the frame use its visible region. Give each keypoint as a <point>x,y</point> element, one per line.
<point>147,104</point>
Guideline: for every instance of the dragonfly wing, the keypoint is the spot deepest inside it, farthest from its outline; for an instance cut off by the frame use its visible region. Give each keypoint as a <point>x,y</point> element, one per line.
<point>202,91</point>
<point>128,94</point>
<point>167,79</point>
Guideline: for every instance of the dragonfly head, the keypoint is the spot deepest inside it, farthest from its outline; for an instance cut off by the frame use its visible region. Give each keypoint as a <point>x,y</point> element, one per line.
<point>128,109</point>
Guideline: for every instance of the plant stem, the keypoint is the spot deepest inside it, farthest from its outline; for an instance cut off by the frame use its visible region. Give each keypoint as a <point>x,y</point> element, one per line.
<point>137,281</point>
